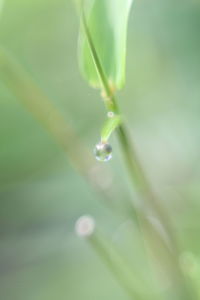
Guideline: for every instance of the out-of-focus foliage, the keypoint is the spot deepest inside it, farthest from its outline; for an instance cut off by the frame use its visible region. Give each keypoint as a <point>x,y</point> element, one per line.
<point>41,196</point>
<point>1,5</point>
<point>107,23</point>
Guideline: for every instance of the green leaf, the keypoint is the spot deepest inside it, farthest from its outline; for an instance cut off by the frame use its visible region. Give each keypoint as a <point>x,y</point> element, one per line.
<point>106,21</point>
<point>110,125</point>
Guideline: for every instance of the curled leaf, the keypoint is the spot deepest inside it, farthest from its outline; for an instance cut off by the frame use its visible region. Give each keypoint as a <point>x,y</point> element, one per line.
<point>110,125</point>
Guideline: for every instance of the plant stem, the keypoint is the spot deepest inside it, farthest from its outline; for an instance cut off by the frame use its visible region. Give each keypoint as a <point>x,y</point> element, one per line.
<point>135,170</point>
<point>168,253</point>
<point>140,181</point>
<point>108,99</point>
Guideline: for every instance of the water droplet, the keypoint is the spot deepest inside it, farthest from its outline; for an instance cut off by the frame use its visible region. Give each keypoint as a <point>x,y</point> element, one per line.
<point>103,151</point>
<point>110,114</point>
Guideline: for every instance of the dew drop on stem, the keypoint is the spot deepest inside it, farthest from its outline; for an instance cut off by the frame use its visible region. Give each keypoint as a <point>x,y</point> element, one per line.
<point>103,152</point>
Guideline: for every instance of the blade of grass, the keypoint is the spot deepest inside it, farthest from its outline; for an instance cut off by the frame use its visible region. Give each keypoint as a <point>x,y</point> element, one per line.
<point>144,189</point>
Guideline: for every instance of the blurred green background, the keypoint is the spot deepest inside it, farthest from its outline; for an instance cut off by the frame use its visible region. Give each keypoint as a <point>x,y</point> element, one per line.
<point>41,195</point>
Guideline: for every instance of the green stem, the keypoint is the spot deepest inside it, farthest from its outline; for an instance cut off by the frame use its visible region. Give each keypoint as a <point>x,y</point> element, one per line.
<point>109,98</point>
<point>169,253</point>
<point>167,250</point>
<point>140,181</point>
<point>135,169</point>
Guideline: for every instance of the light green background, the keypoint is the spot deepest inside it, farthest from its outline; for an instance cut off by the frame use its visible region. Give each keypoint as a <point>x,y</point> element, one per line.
<point>41,195</point>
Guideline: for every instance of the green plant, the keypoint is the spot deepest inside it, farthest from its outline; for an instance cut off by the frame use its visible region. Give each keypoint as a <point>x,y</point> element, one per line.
<point>102,49</point>
<point>106,71</point>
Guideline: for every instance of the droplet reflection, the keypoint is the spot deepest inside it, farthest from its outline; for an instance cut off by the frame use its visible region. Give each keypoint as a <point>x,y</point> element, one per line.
<point>103,151</point>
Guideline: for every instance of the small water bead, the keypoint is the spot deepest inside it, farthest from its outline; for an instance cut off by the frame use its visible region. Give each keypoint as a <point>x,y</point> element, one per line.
<point>110,114</point>
<point>103,151</point>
